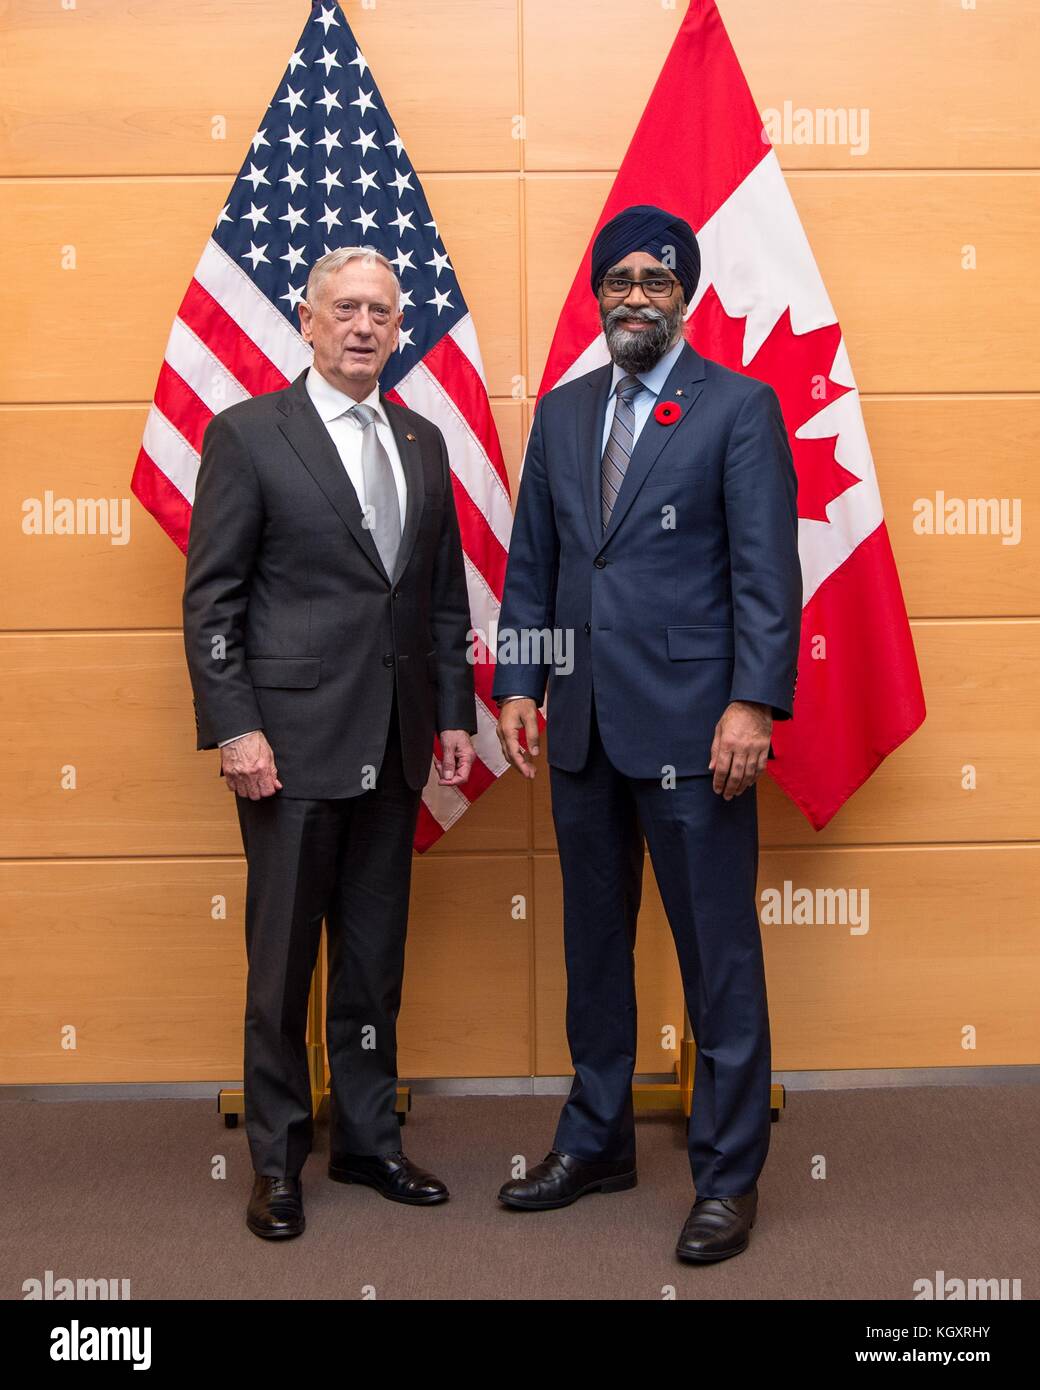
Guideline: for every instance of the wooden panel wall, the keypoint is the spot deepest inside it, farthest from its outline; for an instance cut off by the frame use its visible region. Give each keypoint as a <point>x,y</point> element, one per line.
<point>122,898</point>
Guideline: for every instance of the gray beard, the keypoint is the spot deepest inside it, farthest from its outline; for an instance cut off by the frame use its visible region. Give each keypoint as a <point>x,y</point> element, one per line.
<point>639,352</point>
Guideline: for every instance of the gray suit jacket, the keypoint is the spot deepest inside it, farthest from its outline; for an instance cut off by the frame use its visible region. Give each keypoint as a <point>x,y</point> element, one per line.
<point>291,623</point>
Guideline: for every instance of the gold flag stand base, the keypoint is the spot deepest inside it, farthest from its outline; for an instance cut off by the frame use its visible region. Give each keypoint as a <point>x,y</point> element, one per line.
<point>646,1096</point>
<point>231,1103</point>
<point>678,1094</point>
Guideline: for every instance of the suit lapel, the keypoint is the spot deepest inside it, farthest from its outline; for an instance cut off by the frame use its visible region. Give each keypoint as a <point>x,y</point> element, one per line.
<point>305,430</point>
<point>687,376</point>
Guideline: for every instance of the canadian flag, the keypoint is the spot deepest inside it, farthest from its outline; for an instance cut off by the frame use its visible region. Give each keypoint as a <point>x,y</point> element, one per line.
<point>700,150</point>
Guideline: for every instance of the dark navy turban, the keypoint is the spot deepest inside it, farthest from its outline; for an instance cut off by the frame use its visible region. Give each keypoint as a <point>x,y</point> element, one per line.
<point>645,228</point>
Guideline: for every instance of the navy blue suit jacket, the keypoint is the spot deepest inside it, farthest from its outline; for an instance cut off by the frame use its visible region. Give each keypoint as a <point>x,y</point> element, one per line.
<point>693,596</point>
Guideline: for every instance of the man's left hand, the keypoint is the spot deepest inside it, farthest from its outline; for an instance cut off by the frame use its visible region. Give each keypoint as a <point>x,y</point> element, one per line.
<point>740,748</point>
<point>453,768</point>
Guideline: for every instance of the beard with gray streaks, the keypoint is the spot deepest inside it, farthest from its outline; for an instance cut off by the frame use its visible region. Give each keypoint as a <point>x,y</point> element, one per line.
<point>638,350</point>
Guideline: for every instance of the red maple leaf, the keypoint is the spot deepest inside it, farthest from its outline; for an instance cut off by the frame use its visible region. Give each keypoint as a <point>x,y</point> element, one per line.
<point>796,365</point>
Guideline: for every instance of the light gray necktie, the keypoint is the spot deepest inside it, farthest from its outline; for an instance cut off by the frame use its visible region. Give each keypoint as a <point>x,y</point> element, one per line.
<point>381,499</point>
<point>619,446</point>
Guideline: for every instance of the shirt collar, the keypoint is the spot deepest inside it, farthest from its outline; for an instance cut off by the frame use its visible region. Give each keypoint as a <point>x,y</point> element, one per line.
<point>330,401</point>
<point>656,377</point>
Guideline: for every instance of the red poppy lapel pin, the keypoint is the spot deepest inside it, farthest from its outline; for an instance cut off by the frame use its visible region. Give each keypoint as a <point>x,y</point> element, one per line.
<point>667,412</point>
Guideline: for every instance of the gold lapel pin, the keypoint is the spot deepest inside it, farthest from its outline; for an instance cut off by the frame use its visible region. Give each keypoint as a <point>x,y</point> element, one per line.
<point>410,436</point>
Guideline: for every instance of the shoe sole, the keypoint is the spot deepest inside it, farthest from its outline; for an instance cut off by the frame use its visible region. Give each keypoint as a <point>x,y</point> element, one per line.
<point>621,1184</point>
<point>339,1175</point>
<point>712,1258</point>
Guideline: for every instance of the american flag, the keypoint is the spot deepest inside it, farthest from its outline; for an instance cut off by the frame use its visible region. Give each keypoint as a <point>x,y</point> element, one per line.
<point>327,168</point>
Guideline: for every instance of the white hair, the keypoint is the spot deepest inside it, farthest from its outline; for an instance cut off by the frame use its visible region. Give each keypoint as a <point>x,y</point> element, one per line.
<point>332,260</point>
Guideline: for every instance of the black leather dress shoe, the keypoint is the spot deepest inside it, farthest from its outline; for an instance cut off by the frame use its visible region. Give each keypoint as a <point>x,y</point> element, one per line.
<point>395,1176</point>
<point>717,1227</point>
<point>561,1179</point>
<point>275,1210</point>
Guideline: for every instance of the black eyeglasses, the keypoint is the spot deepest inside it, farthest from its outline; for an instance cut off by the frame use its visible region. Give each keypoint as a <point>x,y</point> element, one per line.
<point>620,286</point>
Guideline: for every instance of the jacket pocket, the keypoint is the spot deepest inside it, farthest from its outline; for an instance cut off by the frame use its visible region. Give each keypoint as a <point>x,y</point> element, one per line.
<point>688,473</point>
<point>285,672</point>
<point>692,643</point>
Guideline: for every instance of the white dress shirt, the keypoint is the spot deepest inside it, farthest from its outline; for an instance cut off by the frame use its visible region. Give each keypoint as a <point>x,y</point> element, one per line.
<point>332,404</point>
<point>643,401</point>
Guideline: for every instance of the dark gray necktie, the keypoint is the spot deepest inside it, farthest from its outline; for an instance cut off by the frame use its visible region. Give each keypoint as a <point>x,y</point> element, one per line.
<point>619,446</point>
<point>383,506</point>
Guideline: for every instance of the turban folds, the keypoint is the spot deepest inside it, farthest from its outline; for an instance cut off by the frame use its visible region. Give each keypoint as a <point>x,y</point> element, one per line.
<point>661,234</point>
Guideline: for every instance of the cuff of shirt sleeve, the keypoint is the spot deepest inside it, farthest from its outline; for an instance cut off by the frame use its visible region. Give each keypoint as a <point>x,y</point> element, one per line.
<point>225,741</point>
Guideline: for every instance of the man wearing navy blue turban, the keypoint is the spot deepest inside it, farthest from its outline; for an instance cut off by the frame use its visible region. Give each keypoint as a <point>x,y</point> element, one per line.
<point>654,592</point>
<point>666,238</point>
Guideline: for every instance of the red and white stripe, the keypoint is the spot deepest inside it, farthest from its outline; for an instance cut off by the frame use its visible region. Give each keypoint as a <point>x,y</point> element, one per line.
<point>229,343</point>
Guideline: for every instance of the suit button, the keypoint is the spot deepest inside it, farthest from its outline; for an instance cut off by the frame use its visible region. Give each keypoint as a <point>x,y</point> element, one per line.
<point>397,593</point>
<point>388,658</point>
<point>588,627</point>
<point>600,563</point>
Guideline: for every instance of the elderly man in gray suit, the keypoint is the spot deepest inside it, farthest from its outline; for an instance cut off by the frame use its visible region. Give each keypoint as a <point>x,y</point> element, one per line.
<point>325,625</point>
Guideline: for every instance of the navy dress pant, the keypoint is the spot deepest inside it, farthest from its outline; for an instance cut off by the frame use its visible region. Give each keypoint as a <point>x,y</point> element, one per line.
<point>704,852</point>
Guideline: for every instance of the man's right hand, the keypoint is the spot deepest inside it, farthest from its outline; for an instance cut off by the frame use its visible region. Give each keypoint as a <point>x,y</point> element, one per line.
<point>519,715</point>
<point>248,765</point>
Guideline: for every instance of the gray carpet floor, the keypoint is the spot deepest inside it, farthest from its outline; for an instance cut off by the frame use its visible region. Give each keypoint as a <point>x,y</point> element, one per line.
<point>917,1181</point>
